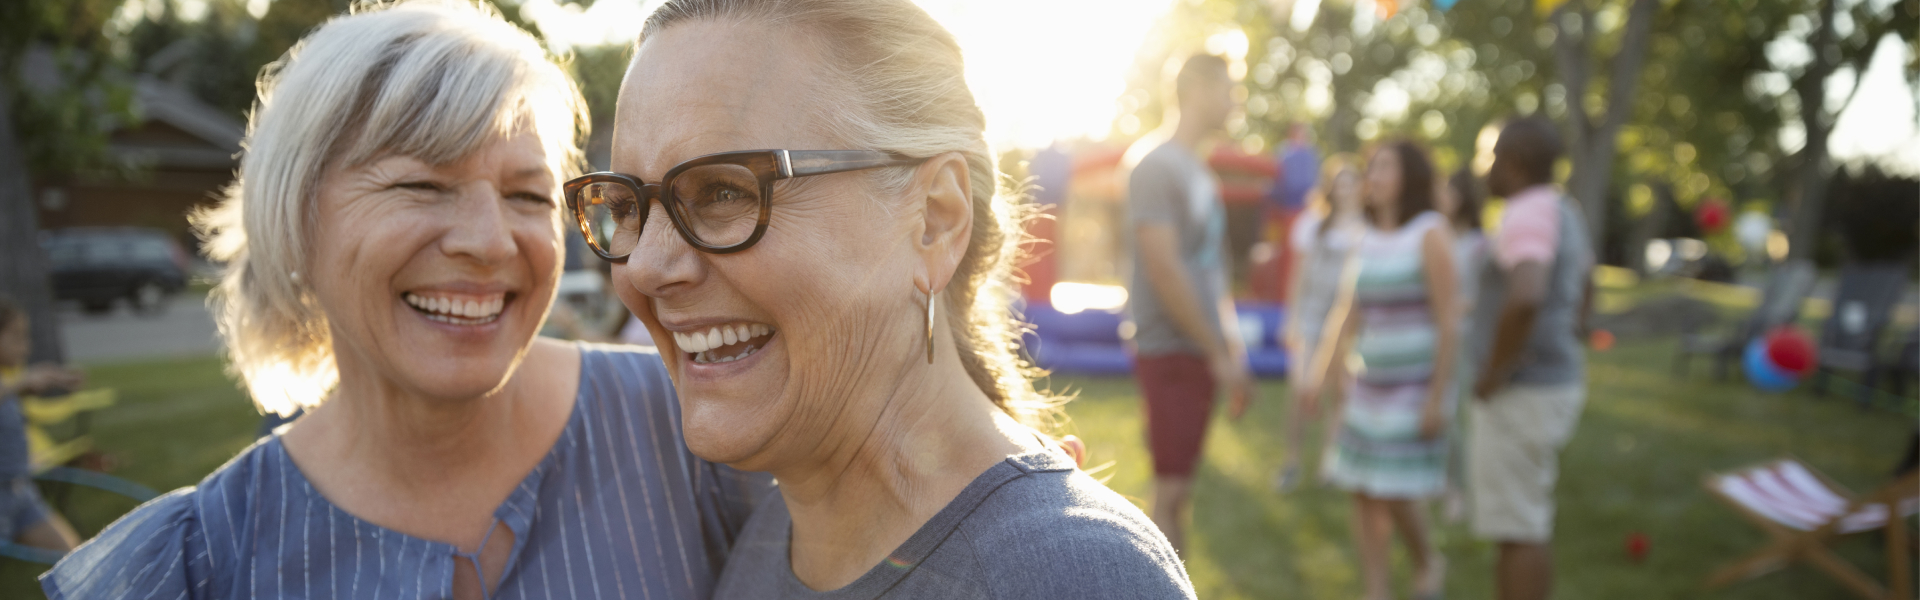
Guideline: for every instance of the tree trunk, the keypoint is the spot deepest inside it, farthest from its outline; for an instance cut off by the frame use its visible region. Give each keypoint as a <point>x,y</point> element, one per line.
<point>1595,138</point>
<point>23,266</point>
<point>1803,233</point>
<point>1592,168</point>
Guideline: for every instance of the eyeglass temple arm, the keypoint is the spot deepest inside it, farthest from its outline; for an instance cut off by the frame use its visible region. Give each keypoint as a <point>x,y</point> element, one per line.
<point>801,163</point>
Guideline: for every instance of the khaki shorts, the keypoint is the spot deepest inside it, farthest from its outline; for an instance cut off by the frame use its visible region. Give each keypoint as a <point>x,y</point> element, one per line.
<point>1513,458</point>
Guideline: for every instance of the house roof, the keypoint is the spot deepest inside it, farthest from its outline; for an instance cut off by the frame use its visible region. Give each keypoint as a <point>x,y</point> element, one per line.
<point>178,107</point>
<point>212,138</point>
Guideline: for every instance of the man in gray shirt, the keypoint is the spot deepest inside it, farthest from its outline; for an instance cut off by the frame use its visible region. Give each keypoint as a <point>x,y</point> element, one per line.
<point>1532,382</point>
<point>1186,341</point>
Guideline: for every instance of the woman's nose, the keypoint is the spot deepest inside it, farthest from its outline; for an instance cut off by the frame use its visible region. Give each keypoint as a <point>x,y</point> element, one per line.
<point>480,227</point>
<point>661,262</point>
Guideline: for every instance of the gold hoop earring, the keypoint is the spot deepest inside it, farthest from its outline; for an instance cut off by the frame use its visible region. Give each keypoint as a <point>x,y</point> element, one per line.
<point>929,326</point>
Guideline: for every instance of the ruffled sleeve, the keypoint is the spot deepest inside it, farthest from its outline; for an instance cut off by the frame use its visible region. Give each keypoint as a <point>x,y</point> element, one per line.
<point>156,551</point>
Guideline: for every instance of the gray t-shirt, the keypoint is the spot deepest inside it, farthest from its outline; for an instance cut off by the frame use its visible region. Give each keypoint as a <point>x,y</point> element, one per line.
<point>1173,187</point>
<point>1033,526</point>
<point>1553,354</point>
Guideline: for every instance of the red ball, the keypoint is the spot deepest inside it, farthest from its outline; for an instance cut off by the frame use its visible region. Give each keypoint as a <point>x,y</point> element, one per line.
<point>1792,350</point>
<point>1712,215</point>
<point>1637,543</point>
<point>1601,340</point>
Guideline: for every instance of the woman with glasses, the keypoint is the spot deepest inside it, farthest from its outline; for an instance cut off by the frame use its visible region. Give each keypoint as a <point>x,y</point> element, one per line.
<point>806,216</point>
<point>392,245</point>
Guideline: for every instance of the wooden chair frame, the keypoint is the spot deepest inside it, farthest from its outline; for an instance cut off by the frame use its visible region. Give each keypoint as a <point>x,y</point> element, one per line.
<point>1790,545</point>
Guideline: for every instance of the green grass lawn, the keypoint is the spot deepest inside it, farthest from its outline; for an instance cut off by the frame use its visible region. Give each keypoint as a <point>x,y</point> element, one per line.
<point>176,421</point>
<point>1634,465</point>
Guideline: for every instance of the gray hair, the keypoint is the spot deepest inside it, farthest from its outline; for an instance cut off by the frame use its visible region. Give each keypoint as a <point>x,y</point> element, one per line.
<point>900,86</point>
<point>435,80</point>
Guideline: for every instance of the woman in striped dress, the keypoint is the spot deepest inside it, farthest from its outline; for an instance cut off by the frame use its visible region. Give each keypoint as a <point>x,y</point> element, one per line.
<point>1395,325</point>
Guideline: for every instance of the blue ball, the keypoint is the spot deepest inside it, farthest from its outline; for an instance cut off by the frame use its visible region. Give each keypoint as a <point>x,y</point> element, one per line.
<point>1765,375</point>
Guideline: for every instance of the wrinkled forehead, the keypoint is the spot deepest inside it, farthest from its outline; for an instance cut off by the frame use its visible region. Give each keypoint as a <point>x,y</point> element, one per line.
<point>716,86</point>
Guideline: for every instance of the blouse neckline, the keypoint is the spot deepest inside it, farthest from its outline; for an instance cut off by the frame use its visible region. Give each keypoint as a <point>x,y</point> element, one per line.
<point>516,511</point>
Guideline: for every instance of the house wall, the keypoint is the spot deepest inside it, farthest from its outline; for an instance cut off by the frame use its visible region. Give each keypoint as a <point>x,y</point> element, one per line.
<point>159,196</point>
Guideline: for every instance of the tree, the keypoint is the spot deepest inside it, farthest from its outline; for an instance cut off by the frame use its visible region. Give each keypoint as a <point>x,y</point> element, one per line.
<point>52,124</point>
<point>1595,130</point>
<point>1666,102</point>
<point>1832,48</point>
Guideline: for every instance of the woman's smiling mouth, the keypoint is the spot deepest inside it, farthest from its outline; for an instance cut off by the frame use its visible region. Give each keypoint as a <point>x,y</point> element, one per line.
<point>457,309</point>
<point>724,343</point>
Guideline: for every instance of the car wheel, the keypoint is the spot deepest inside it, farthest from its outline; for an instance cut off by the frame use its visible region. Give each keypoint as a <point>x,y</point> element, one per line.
<point>149,298</point>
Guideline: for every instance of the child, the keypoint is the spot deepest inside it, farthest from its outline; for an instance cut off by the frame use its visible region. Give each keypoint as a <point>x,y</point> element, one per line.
<point>24,517</point>
<point>1323,238</point>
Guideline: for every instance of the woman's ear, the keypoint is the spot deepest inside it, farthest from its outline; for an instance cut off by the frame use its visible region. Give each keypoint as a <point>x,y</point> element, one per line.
<point>946,218</point>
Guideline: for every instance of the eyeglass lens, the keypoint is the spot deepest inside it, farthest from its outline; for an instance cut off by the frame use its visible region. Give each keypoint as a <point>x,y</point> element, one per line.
<point>719,204</point>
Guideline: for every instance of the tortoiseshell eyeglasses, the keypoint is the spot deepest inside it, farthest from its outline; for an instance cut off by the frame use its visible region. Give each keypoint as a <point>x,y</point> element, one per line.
<point>720,203</point>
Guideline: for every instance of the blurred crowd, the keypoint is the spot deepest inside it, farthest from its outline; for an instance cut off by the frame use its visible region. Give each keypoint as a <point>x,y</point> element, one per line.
<point>1402,302</point>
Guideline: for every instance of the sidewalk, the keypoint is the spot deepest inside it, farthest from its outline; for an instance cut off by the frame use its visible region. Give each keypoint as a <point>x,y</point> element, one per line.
<point>183,328</point>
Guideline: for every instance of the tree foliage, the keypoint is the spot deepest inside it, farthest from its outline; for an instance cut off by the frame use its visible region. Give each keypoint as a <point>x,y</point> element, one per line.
<point>1712,113</point>
<point>66,88</point>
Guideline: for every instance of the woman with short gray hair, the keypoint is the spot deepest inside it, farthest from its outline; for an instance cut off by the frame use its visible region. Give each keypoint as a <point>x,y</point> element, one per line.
<point>806,215</point>
<point>392,245</point>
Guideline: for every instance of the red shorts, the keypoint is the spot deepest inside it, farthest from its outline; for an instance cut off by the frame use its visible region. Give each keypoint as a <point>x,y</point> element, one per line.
<point>1178,389</point>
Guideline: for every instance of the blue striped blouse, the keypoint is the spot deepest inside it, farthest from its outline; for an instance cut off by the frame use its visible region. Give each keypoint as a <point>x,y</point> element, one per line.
<point>617,509</point>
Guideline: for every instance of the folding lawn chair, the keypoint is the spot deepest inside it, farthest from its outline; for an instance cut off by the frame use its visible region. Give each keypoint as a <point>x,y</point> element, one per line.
<point>50,457</point>
<point>1780,301</point>
<point>1801,511</point>
<point>1862,309</point>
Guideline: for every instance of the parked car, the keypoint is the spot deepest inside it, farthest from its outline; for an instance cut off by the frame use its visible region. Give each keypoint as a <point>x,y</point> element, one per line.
<point>98,265</point>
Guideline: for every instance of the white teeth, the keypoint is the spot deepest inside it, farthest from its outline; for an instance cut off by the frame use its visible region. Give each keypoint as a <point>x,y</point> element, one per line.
<point>460,309</point>
<point>691,343</point>
<point>702,343</point>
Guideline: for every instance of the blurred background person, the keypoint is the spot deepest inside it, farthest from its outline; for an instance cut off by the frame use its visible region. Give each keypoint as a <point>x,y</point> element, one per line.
<point>1186,339</point>
<point>1461,200</point>
<point>1530,381</point>
<point>25,518</point>
<point>1323,238</point>
<point>1299,171</point>
<point>1395,325</point>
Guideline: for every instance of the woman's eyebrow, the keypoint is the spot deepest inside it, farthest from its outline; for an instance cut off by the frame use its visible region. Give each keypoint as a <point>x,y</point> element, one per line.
<point>529,173</point>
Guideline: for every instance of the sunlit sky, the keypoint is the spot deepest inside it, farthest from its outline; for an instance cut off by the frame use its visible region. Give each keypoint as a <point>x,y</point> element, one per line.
<point>1882,120</point>
<point>1054,69</point>
<point>1041,69</point>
